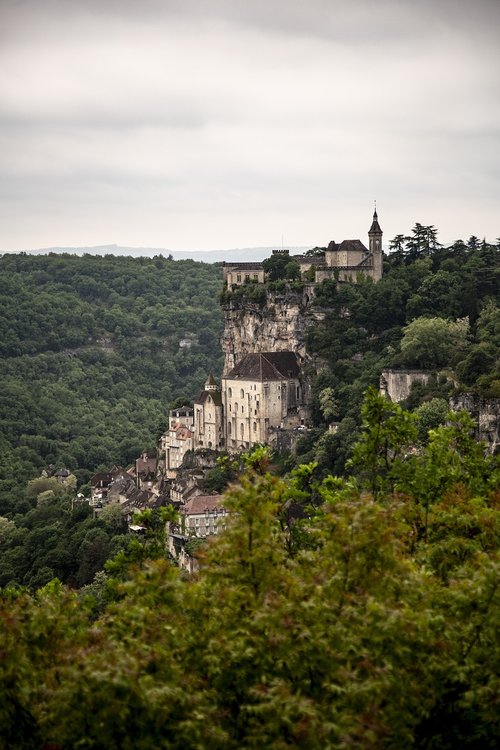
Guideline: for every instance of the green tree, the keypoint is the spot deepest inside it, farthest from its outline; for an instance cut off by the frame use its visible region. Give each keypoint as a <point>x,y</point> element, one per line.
<point>430,414</point>
<point>281,266</point>
<point>388,432</point>
<point>434,342</point>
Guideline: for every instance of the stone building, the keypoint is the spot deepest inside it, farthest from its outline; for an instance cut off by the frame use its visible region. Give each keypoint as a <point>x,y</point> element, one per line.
<point>347,261</point>
<point>351,258</point>
<point>208,417</point>
<point>178,440</point>
<point>262,393</point>
<point>236,274</point>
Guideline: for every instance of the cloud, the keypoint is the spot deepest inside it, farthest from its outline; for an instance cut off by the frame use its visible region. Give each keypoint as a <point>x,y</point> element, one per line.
<point>180,123</point>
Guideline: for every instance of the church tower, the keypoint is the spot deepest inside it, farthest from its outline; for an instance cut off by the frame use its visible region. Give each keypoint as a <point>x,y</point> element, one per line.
<point>208,422</point>
<point>375,246</point>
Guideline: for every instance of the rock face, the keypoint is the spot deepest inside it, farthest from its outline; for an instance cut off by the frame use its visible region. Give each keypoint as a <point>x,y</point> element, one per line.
<point>485,412</point>
<point>279,325</point>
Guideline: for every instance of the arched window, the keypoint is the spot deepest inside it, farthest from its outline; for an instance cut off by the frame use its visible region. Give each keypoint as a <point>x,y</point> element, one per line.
<point>242,393</point>
<point>255,426</point>
<point>242,429</point>
<point>236,407</point>
<point>229,392</point>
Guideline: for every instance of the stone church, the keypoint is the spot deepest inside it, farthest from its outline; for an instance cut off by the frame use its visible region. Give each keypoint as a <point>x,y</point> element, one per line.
<point>261,395</point>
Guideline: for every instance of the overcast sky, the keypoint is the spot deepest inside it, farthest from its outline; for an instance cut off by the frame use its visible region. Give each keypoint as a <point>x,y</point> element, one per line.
<point>206,124</point>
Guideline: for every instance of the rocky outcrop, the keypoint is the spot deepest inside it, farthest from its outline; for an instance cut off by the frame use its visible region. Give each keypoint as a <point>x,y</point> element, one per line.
<point>277,326</point>
<point>486,414</point>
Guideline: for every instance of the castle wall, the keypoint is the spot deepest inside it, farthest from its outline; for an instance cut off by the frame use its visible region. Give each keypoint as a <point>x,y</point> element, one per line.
<point>343,274</point>
<point>396,384</point>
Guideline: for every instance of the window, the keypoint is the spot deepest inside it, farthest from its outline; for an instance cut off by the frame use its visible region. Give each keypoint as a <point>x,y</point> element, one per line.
<point>256,277</point>
<point>229,392</point>
<point>238,278</point>
<point>242,409</point>
<point>255,426</point>
<point>229,428</point>
<point>236,406</point>
<point>247,277</point>
<point>242,393</point>
<point>242,429</point>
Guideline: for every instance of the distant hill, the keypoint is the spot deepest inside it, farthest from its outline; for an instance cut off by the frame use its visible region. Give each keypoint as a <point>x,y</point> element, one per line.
<point>205,256</point>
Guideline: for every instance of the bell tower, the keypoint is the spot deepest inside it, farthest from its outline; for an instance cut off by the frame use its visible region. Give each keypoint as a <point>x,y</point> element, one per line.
<point>375,246</point>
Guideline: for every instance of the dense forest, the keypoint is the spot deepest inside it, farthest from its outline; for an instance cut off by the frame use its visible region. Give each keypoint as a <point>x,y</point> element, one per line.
<point>91,357</point>
<point>368,620</point>
<point>91,360</point>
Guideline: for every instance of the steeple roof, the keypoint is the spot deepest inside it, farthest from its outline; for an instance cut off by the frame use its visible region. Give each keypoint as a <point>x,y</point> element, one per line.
<point>375,227</point>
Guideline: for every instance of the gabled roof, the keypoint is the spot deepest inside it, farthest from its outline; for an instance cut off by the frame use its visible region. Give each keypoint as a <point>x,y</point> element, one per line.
<point>205,395</point>
<point>266,366</point>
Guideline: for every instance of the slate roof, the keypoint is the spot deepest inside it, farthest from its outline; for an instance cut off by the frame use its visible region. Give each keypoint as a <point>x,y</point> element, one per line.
<point>106,477</point>
<point>348,245</point>
<point>216,397</point>
<point>199,504</point>
<point>375,227</point>
<point>266,366</point>
<point>244,266</point>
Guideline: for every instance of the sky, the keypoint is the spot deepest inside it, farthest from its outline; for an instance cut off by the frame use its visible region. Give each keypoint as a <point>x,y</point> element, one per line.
<point>212,124</point>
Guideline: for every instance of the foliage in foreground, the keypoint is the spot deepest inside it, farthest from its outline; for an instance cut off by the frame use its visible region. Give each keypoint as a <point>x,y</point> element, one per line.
<point>365,622</point>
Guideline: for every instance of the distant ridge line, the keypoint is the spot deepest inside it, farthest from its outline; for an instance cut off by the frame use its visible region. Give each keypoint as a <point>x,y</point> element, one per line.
<point>206,256</point>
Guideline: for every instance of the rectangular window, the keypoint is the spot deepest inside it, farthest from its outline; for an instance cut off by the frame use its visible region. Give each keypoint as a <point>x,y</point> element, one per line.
<point>238,277</point>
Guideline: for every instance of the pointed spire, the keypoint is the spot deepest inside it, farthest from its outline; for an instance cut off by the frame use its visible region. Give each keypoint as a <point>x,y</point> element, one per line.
<point>211,383</point>
<point>375,227</point>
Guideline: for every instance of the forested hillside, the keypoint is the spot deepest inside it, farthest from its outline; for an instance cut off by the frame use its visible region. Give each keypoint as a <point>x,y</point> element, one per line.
<point>91,358</point>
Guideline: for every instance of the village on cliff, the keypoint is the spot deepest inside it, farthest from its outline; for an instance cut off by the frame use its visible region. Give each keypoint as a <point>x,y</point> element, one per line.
<point>263,398</point>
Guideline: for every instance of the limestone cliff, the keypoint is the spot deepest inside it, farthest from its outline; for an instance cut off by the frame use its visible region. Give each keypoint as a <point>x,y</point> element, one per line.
<point>278,325</point>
